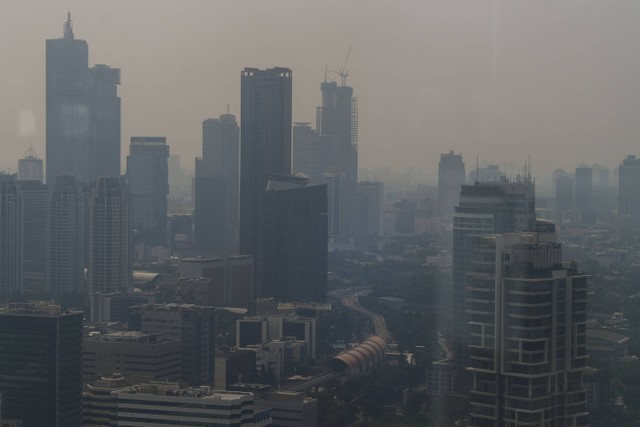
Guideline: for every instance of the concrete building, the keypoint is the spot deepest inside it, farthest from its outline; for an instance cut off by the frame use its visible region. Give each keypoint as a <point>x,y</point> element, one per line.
<point>159,403</point>
<point>40,364</point>
<point>217,187</point>
<point>222,282</point>
<point>451,176</point>
<point>66,237</point>
<point>629,189</point>
<point>265,149</point>
<point>235,365</point>
<point>115,306</point>
<point>138,356</point>
<point>35,204</point>
<point>111,249</point>
<point>255,330</point>
<point>336,204</point>
<point>315,154</point>
<point>527,324</point>
<point>194,326</point>
<point>369,211</point>
<point>293,249</point>
<point>11,238</point>
<point>583,196</point>
<point>289,408</point>
<point>338,117</point>
<point>148,180</point>
<point>82,112</point>
<point>30,167</point>
<point>483,208</point>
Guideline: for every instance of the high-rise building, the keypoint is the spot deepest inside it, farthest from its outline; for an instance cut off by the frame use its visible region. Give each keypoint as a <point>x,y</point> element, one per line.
<point>82,111</point>
<point>30,167</point>
<point>336,183</point>
<point>217,187</point>
<point>266,146</point>
<point>563,191</point>
<point>315,154</point>
<point>65,237</point>
<point>148,179</point>
<point>370,203</point>
<point>451,176</point>
<point>483,208</point>
<point>11,237</point>
<point>40,365</point>
<point>110,259</point>
<point>629,189</point>
<point>35,197</point>
<point>527,324</point>
<point>338,116</point>
<point>583,195</point>
<point>294,240</point>
<point>194,326</point>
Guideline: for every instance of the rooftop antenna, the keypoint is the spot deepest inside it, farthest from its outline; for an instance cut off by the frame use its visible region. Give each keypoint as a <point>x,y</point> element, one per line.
<point>477,168</point>
<point>68,26</point>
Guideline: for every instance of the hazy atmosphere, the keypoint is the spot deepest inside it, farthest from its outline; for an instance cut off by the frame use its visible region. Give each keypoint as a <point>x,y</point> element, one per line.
<point>502,79</point>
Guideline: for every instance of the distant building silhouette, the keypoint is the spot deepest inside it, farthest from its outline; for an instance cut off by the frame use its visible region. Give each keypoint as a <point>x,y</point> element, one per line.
<point>265,149</point>
<point>148,180</point>
<point>41,364</point>
<point>217,187</point>
<point>583,195</point>
<point>370,205</point>
<point>66,237</point>
<point>338,117</point>
<point>11,237</point>
<point>629,189</point>
<point>110,259</point>
<point>451,177</point>
<point>315,154</point>
<point>336,197</point>
<point>82,112</point>
<point>35,201</point>
<point>294,240</point>
<point>30,167</point>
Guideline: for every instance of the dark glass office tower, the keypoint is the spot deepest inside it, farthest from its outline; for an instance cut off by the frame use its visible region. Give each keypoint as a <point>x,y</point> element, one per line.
<point>484,208</point>
<point>148,179</point>
<point>217,187</point>
<point>294,240</point>
<point>451,176</point>
<point>41,365</point>
<point>82,112</point>
<point>265,148</point>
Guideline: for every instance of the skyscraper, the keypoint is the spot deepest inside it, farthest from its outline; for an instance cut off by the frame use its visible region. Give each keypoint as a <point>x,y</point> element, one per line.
<point>148,179</point>
<point>217,187</point>
<point>583,195</point>
<point>370,203</point>
<point>30,167</point>
<point>11,237</point>
<point>110,256</point>
<point>40,365</point>
<point>82,111</point>
<point>451,176</point>
<point>336,183</point>
<point>265,149</point>
<point>315,154</point>
<point>484,208</point>
<point>294,240</point>
<point>35,197</point>
<point>338,116</point>
<point>66,237</point>
<point>527,343</point>
<point>629,189</point>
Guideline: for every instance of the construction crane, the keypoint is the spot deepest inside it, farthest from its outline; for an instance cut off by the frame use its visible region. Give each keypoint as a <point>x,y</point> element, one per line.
<point>343,72</point>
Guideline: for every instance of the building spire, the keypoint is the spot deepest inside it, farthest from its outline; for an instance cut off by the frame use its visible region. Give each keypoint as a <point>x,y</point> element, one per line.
<point>68,27</point>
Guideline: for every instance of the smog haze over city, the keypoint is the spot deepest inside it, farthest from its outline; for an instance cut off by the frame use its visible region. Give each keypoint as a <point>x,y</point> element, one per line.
<point>498,79</point>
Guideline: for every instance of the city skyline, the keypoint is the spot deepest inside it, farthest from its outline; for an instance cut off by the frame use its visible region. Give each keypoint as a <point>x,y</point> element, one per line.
<point>470,90</point>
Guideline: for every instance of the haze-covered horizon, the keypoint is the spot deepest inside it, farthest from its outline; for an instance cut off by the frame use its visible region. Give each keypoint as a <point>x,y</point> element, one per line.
<point>498,79</point>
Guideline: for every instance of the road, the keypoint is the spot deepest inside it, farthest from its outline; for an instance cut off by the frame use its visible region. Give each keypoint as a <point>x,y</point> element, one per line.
<point>349,299</point>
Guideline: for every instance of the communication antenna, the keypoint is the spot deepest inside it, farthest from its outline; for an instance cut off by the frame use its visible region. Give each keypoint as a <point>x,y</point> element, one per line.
<point>477,168</point>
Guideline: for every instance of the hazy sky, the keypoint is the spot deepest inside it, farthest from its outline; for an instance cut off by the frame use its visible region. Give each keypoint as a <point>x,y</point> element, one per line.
<point>559,80</point>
